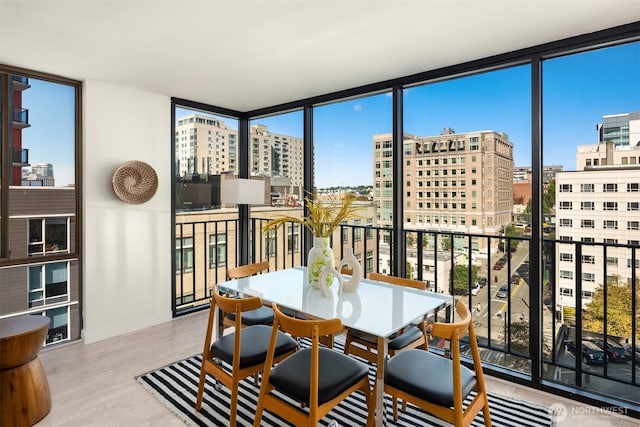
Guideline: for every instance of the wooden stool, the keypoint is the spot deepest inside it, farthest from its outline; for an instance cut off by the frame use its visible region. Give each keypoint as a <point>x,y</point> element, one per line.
<point>24,391</point>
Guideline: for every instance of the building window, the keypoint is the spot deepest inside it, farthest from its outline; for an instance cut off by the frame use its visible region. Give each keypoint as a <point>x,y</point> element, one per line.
<point>588,259</point>
<point>610,224</point>
<point>566,257</point>
<point>633,206</point>
<point>566,222</point>
<point>369,262</point>
<point>217,250</point>
<point>567,292</point>
<point>612,260</point>
<point>609,188</point>
<point>58,324</point>
<point>357,231</point>
<point>587,188</point>
<point>610,206</point>
<point>293,239</point>
<point>633,225</point>
<point>48,236</point>
<point>566,274</point>
<point>588,277</point>
<point>587,239</point>
<point>184,254</point>
<point>633,243</point>
<point>611,241</point>
<point>633,187</point>
<point>587,223</point>
<point>566,188</point>
<point>48,284</point>
<point>586,206</point>
<point>564,205</point>
<point>271,243</point>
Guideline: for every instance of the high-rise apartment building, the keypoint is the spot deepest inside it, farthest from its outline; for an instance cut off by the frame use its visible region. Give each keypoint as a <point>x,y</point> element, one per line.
<point>452,182</point>
<point>621,129</point>
<point>599,203</point>
<point>205,145</point>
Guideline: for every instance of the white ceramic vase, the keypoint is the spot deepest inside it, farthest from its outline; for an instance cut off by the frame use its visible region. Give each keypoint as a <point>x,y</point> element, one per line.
<point>350,261</point>
<point>320,257</point>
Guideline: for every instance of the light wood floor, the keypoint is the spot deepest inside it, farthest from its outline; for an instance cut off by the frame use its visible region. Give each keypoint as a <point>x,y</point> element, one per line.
<point>94,385</point>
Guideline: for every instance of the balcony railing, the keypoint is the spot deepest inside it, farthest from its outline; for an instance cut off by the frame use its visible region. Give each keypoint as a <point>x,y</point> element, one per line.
<point>454,263</point>
<point>20,156</point>
<point>20,117</point>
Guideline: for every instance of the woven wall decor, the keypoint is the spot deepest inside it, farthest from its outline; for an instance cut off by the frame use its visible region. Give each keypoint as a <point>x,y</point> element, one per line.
<point>135,182</point>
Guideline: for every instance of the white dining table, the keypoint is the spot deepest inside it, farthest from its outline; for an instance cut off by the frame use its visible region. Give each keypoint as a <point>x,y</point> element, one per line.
<point>377,308</point>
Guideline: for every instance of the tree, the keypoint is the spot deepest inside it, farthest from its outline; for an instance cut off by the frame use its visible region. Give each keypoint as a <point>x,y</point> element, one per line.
<point>445,243</point>
<point>619,313</point>
<point>510,231</point>
<point>548,198</point>
<point>461,278</point>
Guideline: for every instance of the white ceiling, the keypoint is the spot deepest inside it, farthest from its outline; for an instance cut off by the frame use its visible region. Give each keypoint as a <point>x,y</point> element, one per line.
<point>248,54</point>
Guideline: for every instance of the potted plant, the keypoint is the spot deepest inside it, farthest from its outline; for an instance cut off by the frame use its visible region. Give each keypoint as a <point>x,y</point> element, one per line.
<point>324,217</point>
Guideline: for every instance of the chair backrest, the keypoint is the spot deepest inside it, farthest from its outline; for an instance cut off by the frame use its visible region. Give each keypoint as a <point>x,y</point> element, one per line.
<point>247,270</point>
<point>313,328</point>
<point>395,280</point>
<point>456,330</point>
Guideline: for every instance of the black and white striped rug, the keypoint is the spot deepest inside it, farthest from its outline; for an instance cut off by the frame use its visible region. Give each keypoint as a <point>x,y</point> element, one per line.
<point>176,385</point>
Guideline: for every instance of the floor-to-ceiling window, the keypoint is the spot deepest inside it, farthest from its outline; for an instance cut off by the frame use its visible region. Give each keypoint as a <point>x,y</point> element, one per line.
<point>353,155</point>
<point>276,156</point>
<point>206,148</point>
<point>39,229</point>
<point>467,180</point>
<point>591,176</point>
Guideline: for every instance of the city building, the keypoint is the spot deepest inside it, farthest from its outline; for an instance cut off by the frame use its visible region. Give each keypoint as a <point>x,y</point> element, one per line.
<point>206,145</point>
<point>460,182</point>
<point>38,175</point>
<point>599,204</point>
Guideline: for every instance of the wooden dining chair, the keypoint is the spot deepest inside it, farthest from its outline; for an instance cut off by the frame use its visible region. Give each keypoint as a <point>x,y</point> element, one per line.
<point>261,315</point>
<point>365,346</point>
<point>316,377</point>
<point>439,384</point>
<point>244,351</point>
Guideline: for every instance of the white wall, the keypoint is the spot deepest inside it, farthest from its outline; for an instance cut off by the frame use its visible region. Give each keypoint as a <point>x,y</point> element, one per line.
<point>127,255</point>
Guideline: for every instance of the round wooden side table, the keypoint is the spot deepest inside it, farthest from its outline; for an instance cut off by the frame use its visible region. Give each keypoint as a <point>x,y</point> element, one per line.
<point>24,390</point>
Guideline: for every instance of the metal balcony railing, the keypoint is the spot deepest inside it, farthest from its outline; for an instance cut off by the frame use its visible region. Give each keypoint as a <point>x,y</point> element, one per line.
<point>21,116</point>
<point>495,284</point>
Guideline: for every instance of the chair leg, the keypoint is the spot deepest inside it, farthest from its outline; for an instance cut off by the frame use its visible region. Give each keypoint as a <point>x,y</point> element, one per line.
<point>203,375</point>
<point>486,413</point>
<point>395,409</point>
<point>234,403</point>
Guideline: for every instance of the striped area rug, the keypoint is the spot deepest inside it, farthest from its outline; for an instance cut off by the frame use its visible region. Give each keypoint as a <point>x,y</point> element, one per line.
<point>176,385</point>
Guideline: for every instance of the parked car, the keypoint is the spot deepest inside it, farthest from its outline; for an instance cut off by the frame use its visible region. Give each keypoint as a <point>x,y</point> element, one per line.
<point>498,265</point>
<point>503,291</point>
<point>614,352</point>
<point>482,282</point>
<point>591,353</point>
<point>631,353</point>
<point>475,289</point>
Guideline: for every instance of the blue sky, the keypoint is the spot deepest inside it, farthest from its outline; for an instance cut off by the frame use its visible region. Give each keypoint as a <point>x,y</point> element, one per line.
<point>577,91</point>
<point>50,138</point>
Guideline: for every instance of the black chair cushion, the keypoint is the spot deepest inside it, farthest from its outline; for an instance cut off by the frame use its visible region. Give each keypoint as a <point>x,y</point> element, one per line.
<point>336,373</point>
<point>254,343</point>
<point>409,335</point>
<point>259,316</point>
<point>426,376</point>
<point>396,342</point>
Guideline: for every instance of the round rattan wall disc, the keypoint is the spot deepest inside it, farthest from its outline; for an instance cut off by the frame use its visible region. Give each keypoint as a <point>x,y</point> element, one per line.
<point>135,182</point>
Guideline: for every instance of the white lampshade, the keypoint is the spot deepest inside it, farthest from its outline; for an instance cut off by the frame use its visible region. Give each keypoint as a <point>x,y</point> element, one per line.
<point>242,191</point>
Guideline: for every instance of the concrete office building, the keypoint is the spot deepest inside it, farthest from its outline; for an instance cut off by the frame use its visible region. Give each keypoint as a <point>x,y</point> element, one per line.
<point>459,182</point>
<point>598,203</point>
